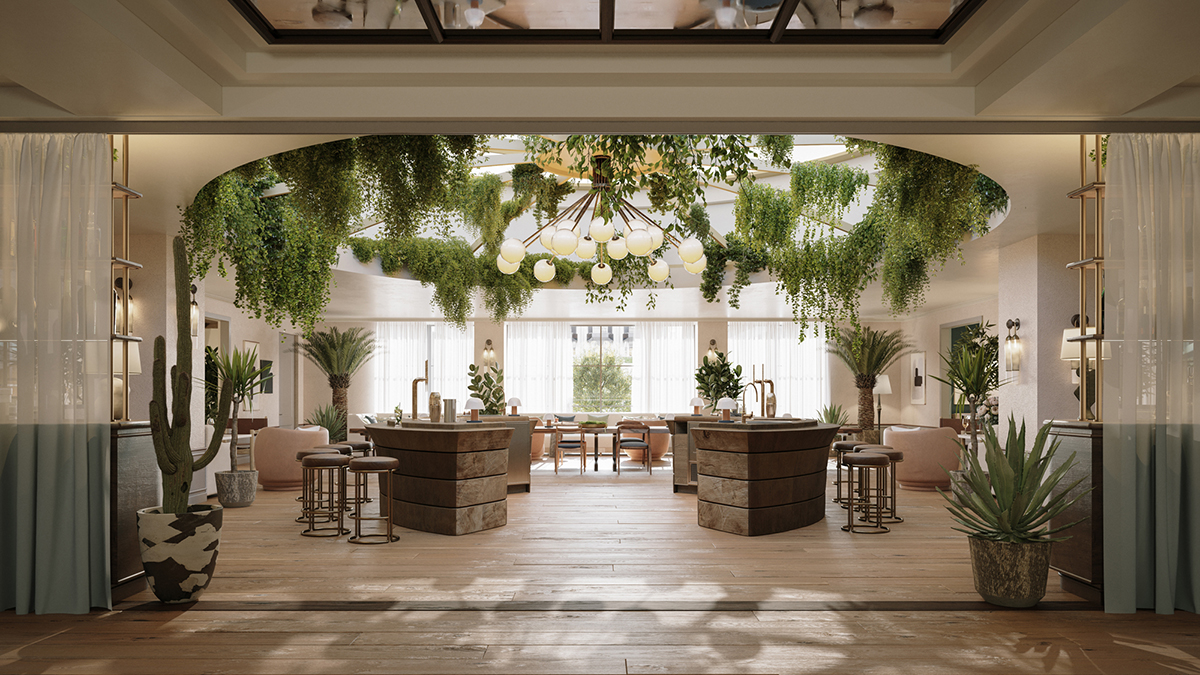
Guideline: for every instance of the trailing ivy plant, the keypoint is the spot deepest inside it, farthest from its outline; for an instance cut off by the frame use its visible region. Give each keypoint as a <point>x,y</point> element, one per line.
<point>763,215</point>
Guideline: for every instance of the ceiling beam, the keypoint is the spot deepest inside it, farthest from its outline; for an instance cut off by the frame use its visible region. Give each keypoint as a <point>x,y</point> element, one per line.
<point>608,17</point>
<point>783,18</point>
<point>429,14</point>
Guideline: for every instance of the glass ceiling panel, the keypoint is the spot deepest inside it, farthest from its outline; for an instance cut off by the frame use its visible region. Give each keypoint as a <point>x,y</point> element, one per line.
<point>695,14</point>
<point>341,14</point>
<point>519,14</point>
<point>924,15</point>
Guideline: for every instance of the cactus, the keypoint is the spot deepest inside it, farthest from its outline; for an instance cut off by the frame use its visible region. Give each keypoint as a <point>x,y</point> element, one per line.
<point>172,437</point>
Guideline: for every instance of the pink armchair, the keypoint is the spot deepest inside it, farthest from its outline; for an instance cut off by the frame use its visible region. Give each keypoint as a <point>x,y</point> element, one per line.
<point>275,455</point>
<point>926,452</point>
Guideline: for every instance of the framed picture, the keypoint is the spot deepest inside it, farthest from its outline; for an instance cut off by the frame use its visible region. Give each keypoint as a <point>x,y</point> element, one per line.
<point>247,345</point>
<point>267,386</point>
<point>916,369</point>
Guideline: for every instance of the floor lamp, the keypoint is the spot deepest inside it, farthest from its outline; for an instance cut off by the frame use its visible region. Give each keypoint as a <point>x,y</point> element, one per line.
<point>883,385</point>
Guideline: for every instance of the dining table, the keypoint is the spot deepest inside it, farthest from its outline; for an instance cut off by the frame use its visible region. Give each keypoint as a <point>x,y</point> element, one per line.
<point>614,432</point>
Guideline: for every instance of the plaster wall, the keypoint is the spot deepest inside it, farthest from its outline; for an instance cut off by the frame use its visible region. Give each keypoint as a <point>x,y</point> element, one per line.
<point>1037,288</point>
<point>241,329</point>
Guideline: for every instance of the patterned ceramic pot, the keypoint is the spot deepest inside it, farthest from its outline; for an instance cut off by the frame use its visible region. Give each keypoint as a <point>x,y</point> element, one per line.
<point>179,551</point>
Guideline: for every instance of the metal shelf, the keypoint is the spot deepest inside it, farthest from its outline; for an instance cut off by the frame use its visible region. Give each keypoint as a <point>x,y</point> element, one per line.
<point>1090,190</point>
<point>123,192</point>
<point>1098,261</point>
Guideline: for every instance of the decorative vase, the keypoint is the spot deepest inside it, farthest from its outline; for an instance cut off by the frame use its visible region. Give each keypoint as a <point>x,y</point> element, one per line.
<point>771,406</point>
<point>1010,575</point>
<point>435,407</point>
<point>236,489</point>
<point>179,551</point>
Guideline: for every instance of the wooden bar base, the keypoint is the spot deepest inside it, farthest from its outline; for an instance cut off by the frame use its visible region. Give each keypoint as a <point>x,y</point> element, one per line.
<point>761,477</point>
<point>452,479</point>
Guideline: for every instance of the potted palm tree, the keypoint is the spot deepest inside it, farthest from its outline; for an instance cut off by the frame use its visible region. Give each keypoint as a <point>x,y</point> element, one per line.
<point>179,542</point>
<point>1004,504</point>
<point>973,370</point>
<point>340,354</point>
<point>236,370</point>
<point>868,353</point>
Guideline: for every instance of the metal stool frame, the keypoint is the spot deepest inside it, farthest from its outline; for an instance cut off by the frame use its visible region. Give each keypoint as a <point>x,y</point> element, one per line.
<point>868,499</point>
<point>329,504</point>
<point>361,478</point>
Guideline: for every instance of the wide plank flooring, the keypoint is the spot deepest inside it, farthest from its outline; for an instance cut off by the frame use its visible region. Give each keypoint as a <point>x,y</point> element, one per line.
<point>599,574</point>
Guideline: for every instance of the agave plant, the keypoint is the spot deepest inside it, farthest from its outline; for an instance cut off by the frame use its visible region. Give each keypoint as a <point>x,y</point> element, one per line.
<point>833,414</point>
<point>329,417</point>
<point>1007,497</point>
<point>340,354</point>
<point>868,353</point>
<point>236,370</point>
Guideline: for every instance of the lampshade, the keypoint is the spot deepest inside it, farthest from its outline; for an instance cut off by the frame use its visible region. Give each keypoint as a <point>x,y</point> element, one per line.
<point>1070,350</point>
<point>640,243</point>
<point>506,266</point>
<point>659,270</point>
<point>883,385</point>
<point>691,250</point>
<point>617,249</point>
<point>544,270</point>
<point>726,403</point>
<point>697,401</point>
<point>473,404</point>
<point>698,266</point>
<point>1012,353</point>
<point>586,248</point>
<point>514,401</point>
<point>512,250</point>
<point>601,231</point>
<point>135,358</point>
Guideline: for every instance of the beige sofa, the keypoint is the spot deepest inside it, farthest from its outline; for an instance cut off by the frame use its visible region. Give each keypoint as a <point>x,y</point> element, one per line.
<point>275,455</point>
<point>926,452</point>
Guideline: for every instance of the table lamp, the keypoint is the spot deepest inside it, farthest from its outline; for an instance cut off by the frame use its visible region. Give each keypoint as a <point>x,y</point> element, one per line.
<point>514,402</point>
<point>725,405</point>
<point>474,405</point>
<point>696,403</point>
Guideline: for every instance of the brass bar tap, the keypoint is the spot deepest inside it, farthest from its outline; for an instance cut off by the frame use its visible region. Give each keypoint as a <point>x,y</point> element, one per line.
<point>415,381</point>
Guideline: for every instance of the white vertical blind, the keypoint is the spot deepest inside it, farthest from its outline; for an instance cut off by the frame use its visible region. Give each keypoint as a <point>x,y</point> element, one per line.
<point>401,348</point>
<point>800,370</point>
<point>664,366</point>
<point>537,365</point>
<point>55,388</point>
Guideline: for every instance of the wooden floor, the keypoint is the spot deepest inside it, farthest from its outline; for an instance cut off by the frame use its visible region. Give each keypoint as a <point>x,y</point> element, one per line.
<point>599,574</point>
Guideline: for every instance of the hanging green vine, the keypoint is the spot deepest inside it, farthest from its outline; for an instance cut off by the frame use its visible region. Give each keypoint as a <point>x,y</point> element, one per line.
<point>413,182</point>
<point>777,149</point>
<point>825,191</point>
<point>322,182</point>
<point>696,223</point>
<point>763,215</point>
<point>747,258</point>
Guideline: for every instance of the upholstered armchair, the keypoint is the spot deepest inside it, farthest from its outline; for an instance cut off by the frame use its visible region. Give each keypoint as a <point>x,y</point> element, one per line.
<point>926,453</point>
<point>275,455</point>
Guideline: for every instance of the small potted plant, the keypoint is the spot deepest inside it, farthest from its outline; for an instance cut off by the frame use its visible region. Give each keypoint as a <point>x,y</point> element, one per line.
<point>1004,504</point>
<point>717,379</point>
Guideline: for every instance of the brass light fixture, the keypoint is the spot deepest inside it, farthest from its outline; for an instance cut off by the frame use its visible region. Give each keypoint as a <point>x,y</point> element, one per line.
<point>195,313</point>
<point>1012,346</point>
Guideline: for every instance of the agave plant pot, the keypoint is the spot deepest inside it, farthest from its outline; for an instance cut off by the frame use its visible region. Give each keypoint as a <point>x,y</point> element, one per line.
<point>179,551</point>
<point>1010,575</point>
<point>236,489</point>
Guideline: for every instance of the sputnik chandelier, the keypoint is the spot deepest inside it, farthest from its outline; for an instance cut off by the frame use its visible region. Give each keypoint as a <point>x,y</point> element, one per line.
<point>639,235</point>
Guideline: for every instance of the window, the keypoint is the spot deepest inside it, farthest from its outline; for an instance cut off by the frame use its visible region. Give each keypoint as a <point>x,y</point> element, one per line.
<point>401,349</point>
<point>799,370</point>
<point>602,368</point>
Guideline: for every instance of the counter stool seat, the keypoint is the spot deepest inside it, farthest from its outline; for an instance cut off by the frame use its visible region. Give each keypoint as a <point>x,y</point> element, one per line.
<point>841,448</point>
<point>342,448</point>
<point>864,496</point>
<point>300,455</point>
<point>358,446</point>
<point>324,494</point>
<point>360,469</point>
<point>889,498</point>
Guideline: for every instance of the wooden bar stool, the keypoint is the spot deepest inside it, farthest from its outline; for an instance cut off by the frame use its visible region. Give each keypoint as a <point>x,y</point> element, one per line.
<point>325,504</point>
<point>889,500</point>
<point>868,498</point>
<point>305,485</point>
<point>361,468</point>
<point>841,448</point>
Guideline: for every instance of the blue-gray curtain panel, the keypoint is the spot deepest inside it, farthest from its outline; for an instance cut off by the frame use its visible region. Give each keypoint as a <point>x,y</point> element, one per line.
<point>55,387</point>
<point>1151,445</point>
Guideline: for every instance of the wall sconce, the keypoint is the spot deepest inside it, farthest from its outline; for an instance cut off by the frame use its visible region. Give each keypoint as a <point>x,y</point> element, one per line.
<point>489,354</point>
<point>195,313</point>
<point>121,288</point>
<point>1012,346</point>
<point>712,350</point>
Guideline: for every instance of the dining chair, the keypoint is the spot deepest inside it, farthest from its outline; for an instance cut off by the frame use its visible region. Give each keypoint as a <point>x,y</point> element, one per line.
<point>569,436</point>
<point>635,435</point>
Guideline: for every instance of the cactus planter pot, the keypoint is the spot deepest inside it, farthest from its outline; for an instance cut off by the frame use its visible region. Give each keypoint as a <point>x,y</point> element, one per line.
<point>179,550</point>
<point>236,489</point>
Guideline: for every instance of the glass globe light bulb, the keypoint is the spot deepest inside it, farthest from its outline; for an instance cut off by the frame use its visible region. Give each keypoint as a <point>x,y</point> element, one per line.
<point>659,270</point>
<point>586,248</point>
<point>506,266</point>
<point>640,243</point>
<point>565,242</point>
<point>546,238</point>
<point>601,274</point>
<point>656,236</point>
<point>697,266</point>
<point>544,270</point>
<point>691,250</point>
<point>617,249</point>
<point>601,231</point>
<point>513,250</point>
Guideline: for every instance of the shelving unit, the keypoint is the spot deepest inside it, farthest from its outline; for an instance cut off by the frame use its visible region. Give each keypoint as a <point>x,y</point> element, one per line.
<point>1091,192</point>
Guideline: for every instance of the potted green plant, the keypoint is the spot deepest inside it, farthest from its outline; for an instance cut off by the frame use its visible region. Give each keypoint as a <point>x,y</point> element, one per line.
<point>717,378</point>
<point>1004,504</point>
<point>179,542</point>
<point>833,414</point>
<point>328,417</point>
<point>868,353</point>
<point>236,370</point>
<point>340,354</point>
<point>973,370</point>
<point>487,385</point>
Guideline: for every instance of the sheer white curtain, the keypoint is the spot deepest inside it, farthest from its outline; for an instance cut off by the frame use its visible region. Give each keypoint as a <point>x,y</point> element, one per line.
<point>1151,407</point>
<point>400,352</point>
<point>537,365</point>
<point>800,370</point>
<point>55,389</point>
<point>664,366</point>
<point>450,352</point>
